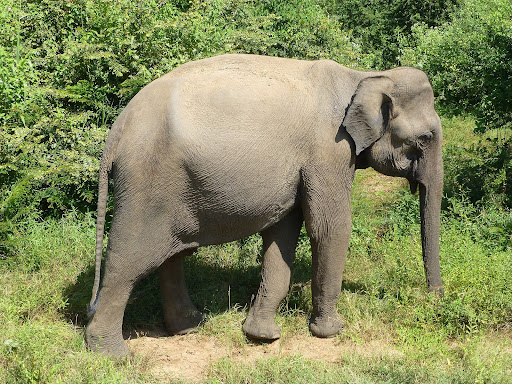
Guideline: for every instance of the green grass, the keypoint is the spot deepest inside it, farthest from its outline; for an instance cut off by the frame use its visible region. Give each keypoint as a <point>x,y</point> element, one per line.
<point>475,362</point>
<point>45,283</point>
<point>395,332</point>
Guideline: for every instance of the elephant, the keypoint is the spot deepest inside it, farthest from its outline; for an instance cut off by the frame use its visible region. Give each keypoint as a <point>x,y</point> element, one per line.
<point>224,147</point>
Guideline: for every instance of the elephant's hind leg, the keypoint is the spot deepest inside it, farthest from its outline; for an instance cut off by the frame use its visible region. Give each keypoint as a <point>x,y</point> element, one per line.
<point>138,244</point>
<point>104,331</point>
<point>180,314</point>
<point>279,243</point>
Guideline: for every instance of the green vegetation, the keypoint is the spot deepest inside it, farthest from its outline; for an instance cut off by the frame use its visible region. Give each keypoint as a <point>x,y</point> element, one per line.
<point>470,60</point>
<point>378,26</point>
<point>68,67</point>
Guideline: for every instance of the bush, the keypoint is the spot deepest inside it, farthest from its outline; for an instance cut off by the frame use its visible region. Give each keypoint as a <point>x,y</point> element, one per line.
<point>379,25</point>
<point>67,68</point>
<point>481,173</point>
<point>469,61</point>
<point>476,264</point>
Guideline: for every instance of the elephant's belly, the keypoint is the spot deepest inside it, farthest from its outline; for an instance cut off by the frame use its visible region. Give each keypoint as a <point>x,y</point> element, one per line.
<point>223,227</point>
<point>229,205</point>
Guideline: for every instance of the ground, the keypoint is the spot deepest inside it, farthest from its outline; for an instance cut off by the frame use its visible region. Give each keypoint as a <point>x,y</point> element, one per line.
<point>189,357</point>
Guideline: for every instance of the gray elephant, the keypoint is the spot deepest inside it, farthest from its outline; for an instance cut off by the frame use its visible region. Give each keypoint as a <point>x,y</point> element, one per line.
<point>225,147</point>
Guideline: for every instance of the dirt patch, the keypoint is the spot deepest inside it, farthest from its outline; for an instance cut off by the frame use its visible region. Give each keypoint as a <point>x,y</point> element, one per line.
<point>181,357</point>
<point>189,357</point>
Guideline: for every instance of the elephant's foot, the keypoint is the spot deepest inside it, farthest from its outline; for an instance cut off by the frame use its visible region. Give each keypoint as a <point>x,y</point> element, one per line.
<point>181,324</point>
<point>325,326</point>
<point>111,344</point>
<point>261,329</point>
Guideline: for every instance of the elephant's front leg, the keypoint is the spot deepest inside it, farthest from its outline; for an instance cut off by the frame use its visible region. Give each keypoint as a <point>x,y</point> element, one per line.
<point>327,216</point>
<point>279,243</point>
<point>329,256</point>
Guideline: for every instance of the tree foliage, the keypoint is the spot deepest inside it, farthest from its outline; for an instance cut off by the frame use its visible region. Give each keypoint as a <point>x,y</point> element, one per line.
<point>379,25</point>
<point>67,68</point>
<point>469,60</point>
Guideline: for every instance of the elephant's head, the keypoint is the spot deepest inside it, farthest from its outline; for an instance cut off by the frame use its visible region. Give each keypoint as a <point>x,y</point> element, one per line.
<point>397,132</point>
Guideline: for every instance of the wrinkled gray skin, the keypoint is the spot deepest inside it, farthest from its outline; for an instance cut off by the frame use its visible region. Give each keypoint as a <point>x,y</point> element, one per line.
<point>225,147</point>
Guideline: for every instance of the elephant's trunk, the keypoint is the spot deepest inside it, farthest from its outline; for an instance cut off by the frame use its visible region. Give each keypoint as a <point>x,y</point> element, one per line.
<point>431,189</point>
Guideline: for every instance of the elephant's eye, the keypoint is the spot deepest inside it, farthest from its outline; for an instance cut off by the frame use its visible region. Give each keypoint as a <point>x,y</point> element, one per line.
<point>394,112</point>
<point>424,139</point>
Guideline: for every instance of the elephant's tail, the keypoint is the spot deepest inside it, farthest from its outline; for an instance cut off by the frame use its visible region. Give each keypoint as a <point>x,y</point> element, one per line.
<point>107,162</point>
<point>100,231</point>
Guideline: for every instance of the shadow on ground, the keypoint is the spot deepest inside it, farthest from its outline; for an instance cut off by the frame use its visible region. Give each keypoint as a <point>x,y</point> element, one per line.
<point>213,289</point>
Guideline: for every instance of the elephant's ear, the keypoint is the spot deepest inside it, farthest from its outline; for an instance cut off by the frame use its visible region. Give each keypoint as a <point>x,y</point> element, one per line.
<point>369,112</point>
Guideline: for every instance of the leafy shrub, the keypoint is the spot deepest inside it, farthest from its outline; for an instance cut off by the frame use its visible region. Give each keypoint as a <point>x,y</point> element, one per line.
<point>481,173</point>
<point>379,25</point>
<point>67,68</point>
<point>476,266</point>
<point>469,60</point>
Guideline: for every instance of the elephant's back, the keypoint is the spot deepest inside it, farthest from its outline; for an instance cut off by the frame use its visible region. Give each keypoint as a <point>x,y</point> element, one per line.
<point>248,66</point>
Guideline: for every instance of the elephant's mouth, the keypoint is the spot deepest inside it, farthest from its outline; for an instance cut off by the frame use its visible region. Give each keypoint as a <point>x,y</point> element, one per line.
<point>413,176</point>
